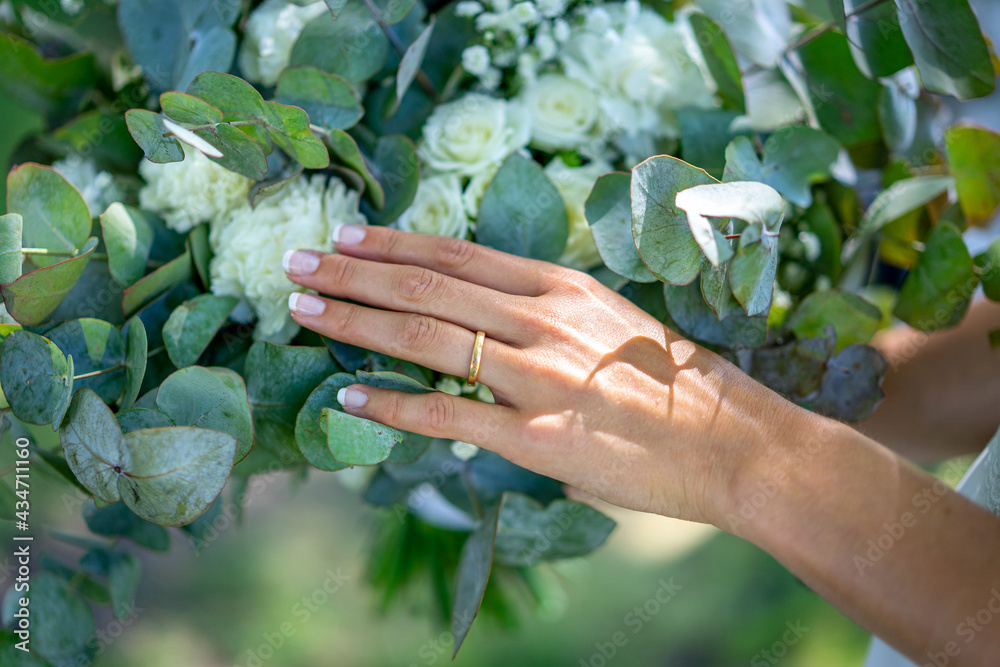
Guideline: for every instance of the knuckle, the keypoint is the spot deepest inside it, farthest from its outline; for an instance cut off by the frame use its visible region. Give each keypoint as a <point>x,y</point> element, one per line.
<point>453,254</point>
<point>391,244</point>
<point>344,318</point>
<point>418,285</point>
<point>440,412</point>
<point>417,332</point>
<point>341,269</point>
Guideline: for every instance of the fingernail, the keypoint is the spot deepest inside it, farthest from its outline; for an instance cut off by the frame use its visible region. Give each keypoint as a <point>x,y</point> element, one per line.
<point>296,261</point>
<point>305,304</point>
<point>348,234</point>
<point>351,398</point>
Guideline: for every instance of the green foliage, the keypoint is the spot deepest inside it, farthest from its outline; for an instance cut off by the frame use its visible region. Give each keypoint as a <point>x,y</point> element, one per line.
<point>36,378</point>
<point>128,239</point>
<point>330,100</point>
<point>522,212</point>
<point>720,60</point>
<point>609,214</point>
<point>938,290</point>
<point>54,213</point>
<point>193,325</point>
<point>579,529</point>
<point>974,159</point>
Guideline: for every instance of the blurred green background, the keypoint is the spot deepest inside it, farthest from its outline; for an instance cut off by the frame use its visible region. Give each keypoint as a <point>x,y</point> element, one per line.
<point>238,597</point>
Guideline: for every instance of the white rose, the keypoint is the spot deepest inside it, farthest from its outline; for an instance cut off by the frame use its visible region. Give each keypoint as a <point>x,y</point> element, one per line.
<point>563,112</point>
<point>270,35</point>
<point>575,184</point>
<point>641,69</point>
<point>467,135</point>
<point>249,246</point>
<point>193,191</point>
<point>437,208</point>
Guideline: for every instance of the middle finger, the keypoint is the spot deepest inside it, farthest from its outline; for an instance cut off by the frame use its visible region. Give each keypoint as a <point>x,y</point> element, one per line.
<point>408,288</point>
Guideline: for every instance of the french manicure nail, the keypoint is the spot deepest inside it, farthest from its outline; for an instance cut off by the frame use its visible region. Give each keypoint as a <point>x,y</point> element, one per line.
<point>305,304</point>
<point>296,261</point>
<point>351,398</point>
<point>348,234</point>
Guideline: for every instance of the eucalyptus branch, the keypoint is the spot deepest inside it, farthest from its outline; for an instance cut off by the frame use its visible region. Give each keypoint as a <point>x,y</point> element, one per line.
<point>400,48</point>
<point>234,123</point>
<point>111,369</point>
<point>99,256</point>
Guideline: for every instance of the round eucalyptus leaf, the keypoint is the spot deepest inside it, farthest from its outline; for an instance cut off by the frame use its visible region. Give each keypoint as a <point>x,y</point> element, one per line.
<point>579,529</point>
<point>609,213</point>
<point>158,145</point>
<point>310,438</point>
<point>35,376</point>
<point>173,474</point>
<point>853,319</point>
<point>751,273</point>
<point>330,100</point>
<point>139,418</point>
<point>128,241</point>
<point>62,621</point>
<point>937,291</point>
<point>92,442</point>
<point>193,325</point>
<point>55,214</point>
<point>355,440</point>
<point>119,521</point>
<point>214,398</point>
<point>11,257</point>
<point>33,296</point>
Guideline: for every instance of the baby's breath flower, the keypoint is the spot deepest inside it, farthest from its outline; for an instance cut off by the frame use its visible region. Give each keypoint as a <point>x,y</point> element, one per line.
<point>468,9</point>
<point>476,60</point>
<point>525,13</point>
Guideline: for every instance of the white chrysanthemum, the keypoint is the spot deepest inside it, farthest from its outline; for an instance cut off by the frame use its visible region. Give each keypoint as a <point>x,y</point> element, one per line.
<point>563,112</point>
<point>192,191</point>
<point>641,68</point>
<point>270,35</point>
<point>473,132</point>
<point>249,246</point>
<point>98,188</point>
<point>575,184</point>
<point>437,208</point>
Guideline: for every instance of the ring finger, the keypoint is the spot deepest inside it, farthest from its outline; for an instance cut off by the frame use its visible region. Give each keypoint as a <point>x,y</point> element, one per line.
<point>438,345</point>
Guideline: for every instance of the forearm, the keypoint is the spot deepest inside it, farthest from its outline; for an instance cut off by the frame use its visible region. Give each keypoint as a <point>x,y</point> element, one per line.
<point>896,550</point>
<point>941,390</point>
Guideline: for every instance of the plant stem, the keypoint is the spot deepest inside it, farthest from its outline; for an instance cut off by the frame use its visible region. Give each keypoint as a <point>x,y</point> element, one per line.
<point>400,48</point>
<point>111,369</point>
<point>234,123</point>
<point>59,253</point>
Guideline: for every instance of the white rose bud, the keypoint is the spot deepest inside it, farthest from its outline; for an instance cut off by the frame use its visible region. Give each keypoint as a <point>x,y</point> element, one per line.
<point>563,112</point>
<point>473,132</point>
<point>437,208</point>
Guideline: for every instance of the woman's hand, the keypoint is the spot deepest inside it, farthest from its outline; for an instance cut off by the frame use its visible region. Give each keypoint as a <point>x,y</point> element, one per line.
<point>589,389</point>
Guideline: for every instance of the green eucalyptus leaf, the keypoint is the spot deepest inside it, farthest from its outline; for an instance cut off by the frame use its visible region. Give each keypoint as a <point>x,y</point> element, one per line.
<point>33,296</point>
<point>136,348</point>
<point>742,163</point>
<point>608,210</point>
<point>149,132</point>
<point>721,61</point>
<point>937,292</point>
<point>795,158</point>
<point>393,11</point>
<point>42,85</point>
<point>193,325</point>
<point>852,385</point>
<point>397,170</point>
<point>128,240</point>
<point>146,289</point>
<point>173,474</point>
<point>279,379</point>
<point>660,229</point>
<point>346,150</point>
<point>525,530</point>
<point>288,127</point>
<point>35,377</point>
<point>124,571</point>
<point>62,622</point>
<point>214,398</point>
<point>522,213</point>
<point>352,46</point>
<point>844,99</point>
<point>752,271</point>
<point>308,435</point>
<point>134,419</point>
<point>794,370</point>
<point>185,108</point>
<point>95,345</point>
<point>705,134</point>
<point>853,319</point>
<point>118,520</point>
<point>55,215</point>
<point>201,251</point>
<point>716,290</point>
<point>948,47</point>
<point>877,43</point>
<point>92,442</point>
<point>409,65</point>
<point>988,268</point>
<point>330,100</point>
<point>690,312</point>
<point>473,573</point>
<point>12,656</point>
<point>974,161</point>
<point>240,153</point>
<point>355,440</point>
<point>11,257</point>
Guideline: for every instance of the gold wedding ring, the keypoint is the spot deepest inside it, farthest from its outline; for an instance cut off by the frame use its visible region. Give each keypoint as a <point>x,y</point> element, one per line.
<point>477,354</point>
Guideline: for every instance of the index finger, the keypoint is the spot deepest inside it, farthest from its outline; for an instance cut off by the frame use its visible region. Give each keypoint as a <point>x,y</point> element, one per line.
<point>459,258</point>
